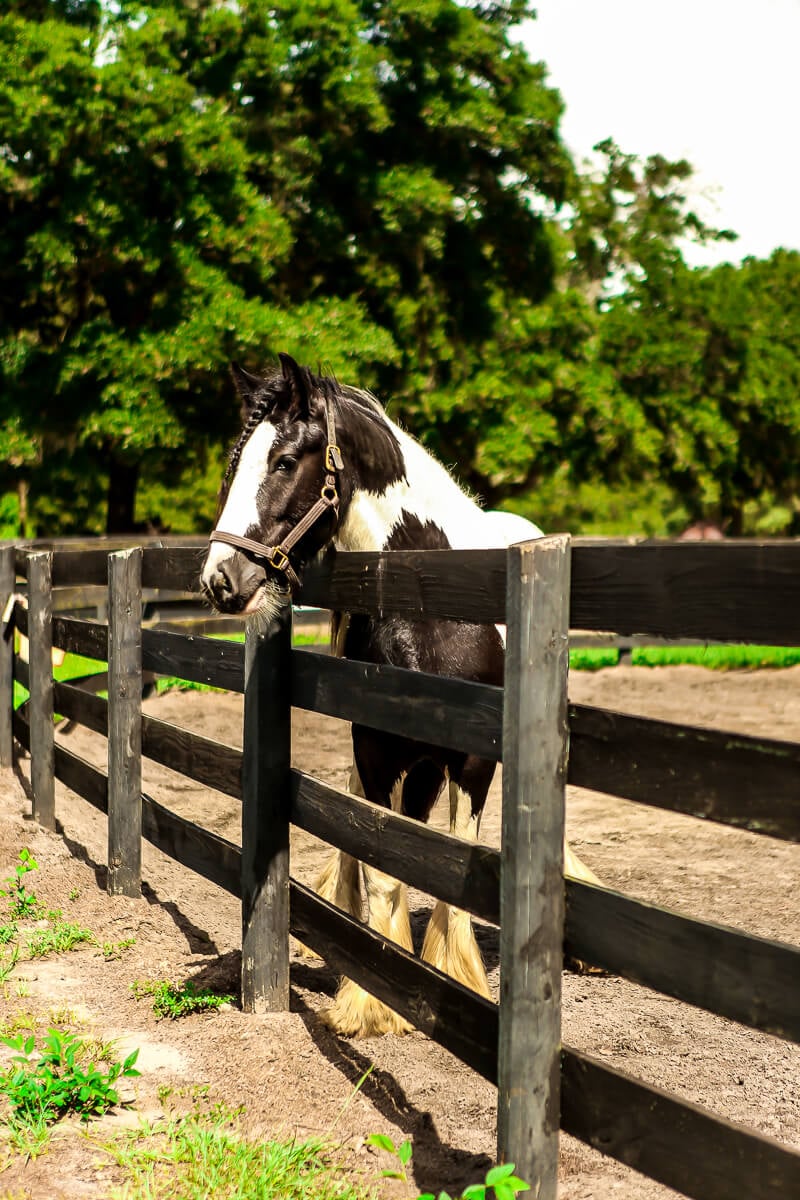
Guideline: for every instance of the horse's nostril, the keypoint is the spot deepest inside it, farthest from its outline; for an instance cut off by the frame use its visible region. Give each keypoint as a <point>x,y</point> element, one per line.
<point>221,583</point>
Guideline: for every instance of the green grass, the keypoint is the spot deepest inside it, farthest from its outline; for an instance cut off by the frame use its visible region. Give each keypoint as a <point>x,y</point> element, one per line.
<point>173,1001</point>
<point>715,658</point>
<point>196,1156</point>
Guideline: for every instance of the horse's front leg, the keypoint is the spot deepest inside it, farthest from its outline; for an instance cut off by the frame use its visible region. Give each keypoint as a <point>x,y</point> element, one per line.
<point>354,1012</point>
<point>340,880</point>
<point>450,939</point>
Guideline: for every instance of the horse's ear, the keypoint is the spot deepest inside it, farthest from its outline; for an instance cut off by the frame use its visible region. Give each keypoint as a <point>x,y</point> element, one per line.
<point>247,386</point>
<point>300,387</point>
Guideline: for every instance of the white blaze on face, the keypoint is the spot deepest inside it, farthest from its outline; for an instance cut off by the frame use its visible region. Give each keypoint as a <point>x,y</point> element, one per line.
<point>241,510</point>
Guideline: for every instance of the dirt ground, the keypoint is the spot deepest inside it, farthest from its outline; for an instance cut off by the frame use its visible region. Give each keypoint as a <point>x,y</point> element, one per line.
<point>292,1075</point>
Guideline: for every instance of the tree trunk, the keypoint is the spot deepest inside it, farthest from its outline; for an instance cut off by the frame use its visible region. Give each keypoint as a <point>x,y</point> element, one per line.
<point>122,480</point>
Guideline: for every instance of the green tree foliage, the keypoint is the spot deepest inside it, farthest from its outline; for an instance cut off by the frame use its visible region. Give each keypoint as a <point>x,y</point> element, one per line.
<point>713,361</point>
<point>136,254</point>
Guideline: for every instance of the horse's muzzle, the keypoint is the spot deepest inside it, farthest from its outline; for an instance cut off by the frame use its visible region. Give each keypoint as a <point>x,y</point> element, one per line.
<point>232,582</point>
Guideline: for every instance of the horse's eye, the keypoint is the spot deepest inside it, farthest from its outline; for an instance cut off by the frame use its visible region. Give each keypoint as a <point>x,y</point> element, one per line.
<point>286,463</point>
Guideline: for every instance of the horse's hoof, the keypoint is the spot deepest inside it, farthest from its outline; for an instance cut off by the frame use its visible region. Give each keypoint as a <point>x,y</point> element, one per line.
<point>576,966</point>
<point>306,952</point>
<point>356,1014</point>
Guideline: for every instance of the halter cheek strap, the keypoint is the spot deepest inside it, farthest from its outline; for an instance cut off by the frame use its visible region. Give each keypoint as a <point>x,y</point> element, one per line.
<point>278,556</point>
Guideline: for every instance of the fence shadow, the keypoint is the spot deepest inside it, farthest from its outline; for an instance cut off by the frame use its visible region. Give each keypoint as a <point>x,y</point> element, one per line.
<point>434,1161</point>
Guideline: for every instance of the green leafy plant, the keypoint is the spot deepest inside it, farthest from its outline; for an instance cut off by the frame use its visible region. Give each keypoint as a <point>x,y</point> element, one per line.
<point>56,1080</point>
<point>173,1001</point>
<point>59,937</point>
<point>114,950</point>
<point>500,1180</point>
<point>22,904</point>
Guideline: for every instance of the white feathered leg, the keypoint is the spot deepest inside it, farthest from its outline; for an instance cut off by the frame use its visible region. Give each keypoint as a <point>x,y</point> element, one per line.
<point>449,939</point>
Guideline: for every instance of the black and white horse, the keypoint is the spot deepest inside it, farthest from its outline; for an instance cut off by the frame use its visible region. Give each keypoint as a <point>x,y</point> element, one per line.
<point>318,464</point>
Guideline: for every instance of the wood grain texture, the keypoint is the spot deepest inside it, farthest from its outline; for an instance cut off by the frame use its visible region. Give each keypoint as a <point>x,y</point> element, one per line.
<point>266,767</point>
<point>737,975</point>
<point>81,637</point>
<point>730,591</point>
<point>125,723</point>
<point>40,662</point>
<point>200,659</point>
<point>750,783</point>
<point>446,712</point>
<point>7,587</point>
<point>452,1015</point>
<point>669,1139</point>
<point>535,739</point>
<point>213,763</point>
<point>466,585</point>
<point>175,567</point>
<point>458,872</point>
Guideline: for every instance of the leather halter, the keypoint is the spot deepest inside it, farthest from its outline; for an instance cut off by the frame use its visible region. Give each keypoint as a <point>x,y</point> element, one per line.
<point>278,556</point>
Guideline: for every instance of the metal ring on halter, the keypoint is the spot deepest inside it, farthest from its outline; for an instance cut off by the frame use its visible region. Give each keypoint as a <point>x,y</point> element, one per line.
<point>329,493</point>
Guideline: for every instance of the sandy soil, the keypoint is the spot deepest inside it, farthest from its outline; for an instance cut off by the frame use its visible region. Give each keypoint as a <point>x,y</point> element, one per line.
<point>294,1076</point>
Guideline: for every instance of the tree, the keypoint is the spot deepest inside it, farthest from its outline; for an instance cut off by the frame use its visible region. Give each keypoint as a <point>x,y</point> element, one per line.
<point>135,252</point>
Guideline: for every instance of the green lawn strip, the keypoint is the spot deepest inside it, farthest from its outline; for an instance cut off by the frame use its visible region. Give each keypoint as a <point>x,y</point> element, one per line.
<point>717,658</point>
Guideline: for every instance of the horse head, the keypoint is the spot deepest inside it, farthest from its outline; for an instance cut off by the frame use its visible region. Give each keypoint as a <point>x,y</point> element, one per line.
<point>280,500</point>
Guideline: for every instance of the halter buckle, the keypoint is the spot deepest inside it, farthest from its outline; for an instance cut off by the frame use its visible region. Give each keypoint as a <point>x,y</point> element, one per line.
<point>278,558</point>
<point>333,458</point>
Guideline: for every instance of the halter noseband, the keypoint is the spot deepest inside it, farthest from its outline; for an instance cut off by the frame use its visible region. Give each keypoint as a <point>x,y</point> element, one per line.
<point>278,556</point>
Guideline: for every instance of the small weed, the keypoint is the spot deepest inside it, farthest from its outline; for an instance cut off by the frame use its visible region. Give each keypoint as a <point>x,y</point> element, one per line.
<point>22,904</point>
<point>75,894</point>
<point>8,933</point>
<point>61,936</point>
<point>7,967</point>
<point>22,988</point>
<point>500,1181</point>
<point>115,950</point>
<point>170,1000</point>
<point>54,1081</point>
<point>16,1023</point>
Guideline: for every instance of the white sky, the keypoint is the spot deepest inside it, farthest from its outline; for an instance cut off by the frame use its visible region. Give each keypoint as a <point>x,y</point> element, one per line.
<point>713,81</point>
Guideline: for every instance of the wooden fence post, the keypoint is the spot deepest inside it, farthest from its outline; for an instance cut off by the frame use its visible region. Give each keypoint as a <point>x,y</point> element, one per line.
<point>265,815</point>
<point>535,740</point>
<point>125,723</point>
<point>40,662</point>
<point>7,580</point>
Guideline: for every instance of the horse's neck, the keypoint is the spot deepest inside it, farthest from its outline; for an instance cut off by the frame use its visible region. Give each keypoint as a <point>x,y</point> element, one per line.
<point>427,492</point>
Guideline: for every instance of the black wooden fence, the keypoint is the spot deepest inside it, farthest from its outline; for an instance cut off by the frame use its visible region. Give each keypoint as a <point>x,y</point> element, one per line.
<point>730,591</point>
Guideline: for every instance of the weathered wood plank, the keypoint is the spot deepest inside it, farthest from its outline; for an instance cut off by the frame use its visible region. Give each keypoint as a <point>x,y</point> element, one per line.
<point>535,738</point>
<point>429,708</point>
<point>466,585</point>
<point>200,659</point>
<point>450,1014</point>
<point>174,567</point>
<point>209,855</point>
<point>670,1139</point>
<point>458,872</point>
<point>125,723</point>
<point>690,589</point>
<point>200,758</point>
<point>737,975</point>
<point>7,587</point>
<point>750,783</point>
<point>40,660</point>
<point>81,637</point>
<point>84,707</point>
<point>266,767</point>
<point>213,763</point>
